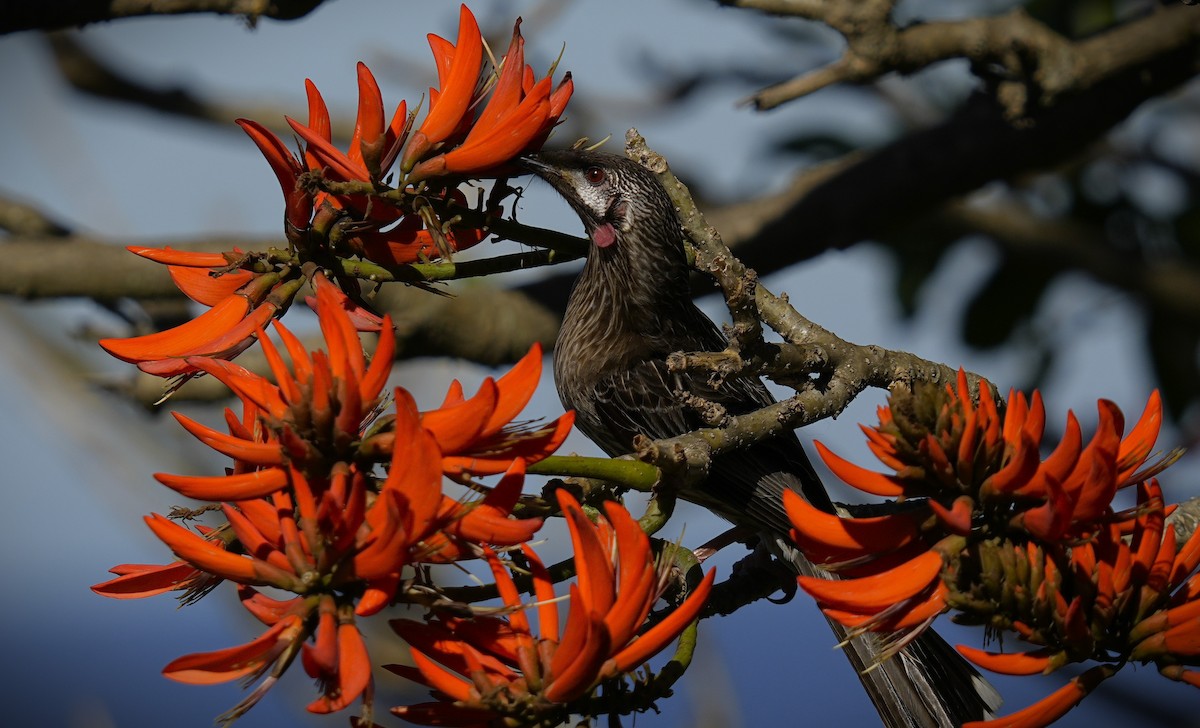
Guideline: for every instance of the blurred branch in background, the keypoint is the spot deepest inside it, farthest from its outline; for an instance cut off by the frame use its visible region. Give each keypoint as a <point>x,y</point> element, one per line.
<point>68,13</point>
<point>90,74</point>
<point>1026,62</point>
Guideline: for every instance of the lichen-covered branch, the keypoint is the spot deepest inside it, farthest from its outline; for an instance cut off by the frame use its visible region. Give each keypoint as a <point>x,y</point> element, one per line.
<point>843,369</point>
<point>738,283</point>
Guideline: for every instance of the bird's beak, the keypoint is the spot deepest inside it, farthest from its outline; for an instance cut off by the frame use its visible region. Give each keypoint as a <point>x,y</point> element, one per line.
<point>531,163</point>
<point>534,164</point>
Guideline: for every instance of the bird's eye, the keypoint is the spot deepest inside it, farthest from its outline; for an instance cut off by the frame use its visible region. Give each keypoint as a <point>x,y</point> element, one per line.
<point>594,175</point>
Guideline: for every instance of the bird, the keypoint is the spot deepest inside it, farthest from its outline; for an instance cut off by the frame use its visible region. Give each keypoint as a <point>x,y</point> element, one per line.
<point>629,309</point>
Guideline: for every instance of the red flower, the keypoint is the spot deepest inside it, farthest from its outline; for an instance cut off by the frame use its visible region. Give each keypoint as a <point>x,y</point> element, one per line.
<point>458,67</point>
<point>294,431</point>
<point>336,656</point>
<point>469,525</point>
<point>312,416</point>
<point>302,520</point>
<point>373,146</point>
<point>234,663</point>
<point>1013,541</point>
<point>451,140</point>
<point>245,292</point>
<point>323,526</point>
<point>517,117</point>
<point>305,514</point>
<point>1053,706</point>
<point>206,278</point>
<point>373,150</point>
<point>298,202</point>
<point>485,668</point>
<point>323,540</point>
<point>478,436</point>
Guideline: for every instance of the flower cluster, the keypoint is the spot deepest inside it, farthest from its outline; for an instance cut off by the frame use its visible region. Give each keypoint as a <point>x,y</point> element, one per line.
<point>340,205</point>
<point>473,128</point>
<point>1013,541</point>
<point>305,513</point>
<point>487,668</point>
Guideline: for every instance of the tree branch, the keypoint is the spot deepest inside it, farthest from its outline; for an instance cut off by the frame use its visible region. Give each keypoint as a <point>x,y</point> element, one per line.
<point>68,13</point>
<point>90,74</point>
<point>874,194</point>
<point>1031,64</point>
<point>845,369</point>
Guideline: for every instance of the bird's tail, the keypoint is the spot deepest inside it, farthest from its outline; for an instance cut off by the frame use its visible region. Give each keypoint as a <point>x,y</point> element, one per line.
<point>927,684</point>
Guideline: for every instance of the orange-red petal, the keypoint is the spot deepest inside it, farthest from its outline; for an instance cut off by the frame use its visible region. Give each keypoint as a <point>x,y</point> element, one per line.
<point>859,477</point>
<point>661,634</point>
<point>833,538</point>
<point>239,486</point>
<point>248,451</point>
<point>181,339</point>
<point>220,666</point>
<point>875,593</point>
<point>592,566</point>
<point>202,287</point>
<point>353,672</point>
<point>460,79</point>
<point>1034,662</point>
<point>146,580</point>
<point>1053,706</point>
<point>202,553</point>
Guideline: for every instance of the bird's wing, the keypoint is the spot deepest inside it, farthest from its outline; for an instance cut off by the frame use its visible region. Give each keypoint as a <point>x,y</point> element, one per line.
<point>744,486</point>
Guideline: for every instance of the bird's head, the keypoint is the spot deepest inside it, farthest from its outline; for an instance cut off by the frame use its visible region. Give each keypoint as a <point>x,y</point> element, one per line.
<point>624,209</point>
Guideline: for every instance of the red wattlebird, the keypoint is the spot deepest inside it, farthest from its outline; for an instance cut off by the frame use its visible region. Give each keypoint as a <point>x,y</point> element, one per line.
<point>630,308</point>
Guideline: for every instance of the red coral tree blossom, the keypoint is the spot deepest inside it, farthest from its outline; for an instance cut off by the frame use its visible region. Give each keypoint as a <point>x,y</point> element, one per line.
<point>305,513</point>
<point>1013,541</point>
<point>391,199</point>
<point>484,670</point>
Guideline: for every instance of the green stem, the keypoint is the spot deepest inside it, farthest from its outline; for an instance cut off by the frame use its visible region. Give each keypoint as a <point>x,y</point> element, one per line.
<point>632,474</point>
<point>685,649</point>
<point>658,512</point>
